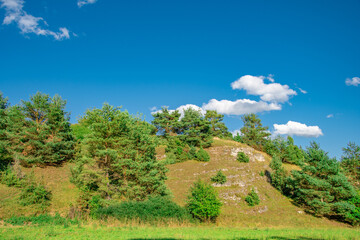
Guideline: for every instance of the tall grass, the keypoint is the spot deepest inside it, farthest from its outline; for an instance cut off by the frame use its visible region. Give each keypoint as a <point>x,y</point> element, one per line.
<point>40,220</point>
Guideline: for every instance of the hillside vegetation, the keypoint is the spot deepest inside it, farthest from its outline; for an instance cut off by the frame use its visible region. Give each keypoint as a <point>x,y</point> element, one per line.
<point>182,169</point>
<point>274,210</point>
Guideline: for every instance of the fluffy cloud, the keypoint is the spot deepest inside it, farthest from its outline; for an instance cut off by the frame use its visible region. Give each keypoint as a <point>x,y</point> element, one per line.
<point>182,108</point>
<point>355,81</point>
<point>81,3</point>
<point>297,129</point>
<point>254,85</point>
<point>239,107</point>
<point>27,23</point>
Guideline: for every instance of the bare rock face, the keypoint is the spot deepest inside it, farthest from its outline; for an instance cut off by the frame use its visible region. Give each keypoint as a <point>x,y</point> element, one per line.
<point>249,152</point>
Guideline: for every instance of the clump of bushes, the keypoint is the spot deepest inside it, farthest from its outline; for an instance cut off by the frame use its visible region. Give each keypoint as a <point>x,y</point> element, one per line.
<point>202,155</point>
<point>219,178</point>
<point>151,210</point>
<point>203,202</point>
<point>242,157</point>
<point>252,198</point>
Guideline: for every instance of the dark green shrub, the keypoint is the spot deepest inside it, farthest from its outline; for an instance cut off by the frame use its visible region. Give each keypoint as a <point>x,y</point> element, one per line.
<point>203,202</point>
<point>152,210</point>
<point>219,178</point>
<point>35,194</point>
<point>241,157</point>
<point>202,155</point>
<point>252,198</point>
<point>192,153</point>
<point>278,174</point>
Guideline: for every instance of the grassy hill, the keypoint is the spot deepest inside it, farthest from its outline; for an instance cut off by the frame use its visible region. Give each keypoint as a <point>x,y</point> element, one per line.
<point>274,210</point>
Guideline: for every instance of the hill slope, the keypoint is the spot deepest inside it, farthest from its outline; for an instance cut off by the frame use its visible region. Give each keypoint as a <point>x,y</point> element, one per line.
<point>274,210</point>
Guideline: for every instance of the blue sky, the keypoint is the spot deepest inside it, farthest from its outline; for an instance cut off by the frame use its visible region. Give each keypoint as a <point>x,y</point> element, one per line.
<point>147,54</point>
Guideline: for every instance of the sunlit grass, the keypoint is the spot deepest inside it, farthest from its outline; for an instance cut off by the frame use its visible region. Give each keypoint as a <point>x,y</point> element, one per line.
<point>101,232</point>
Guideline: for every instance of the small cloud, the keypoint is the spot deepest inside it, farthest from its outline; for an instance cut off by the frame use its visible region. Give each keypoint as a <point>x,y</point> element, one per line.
<point>303,91</point>
<point>27,23</point>
<point>153,109</point>
<point>330,116</point>
<point>297,129</point>
<point>81,3</point>
<point>240,107</point>
<point>355,81</point>
<point>270,77</point>
<point>272,92</point>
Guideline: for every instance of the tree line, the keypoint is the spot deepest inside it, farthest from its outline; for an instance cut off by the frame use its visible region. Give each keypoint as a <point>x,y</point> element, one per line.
<point>114,157</point>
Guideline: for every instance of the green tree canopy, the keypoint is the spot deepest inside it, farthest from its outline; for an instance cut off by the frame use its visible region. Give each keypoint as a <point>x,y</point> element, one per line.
<point>350,162</point>
<point>321,188</point>
<point>253,133</point>
<point>166,122</point>
<point>194,129</point>
<point>118,158</point>
<point>5,157</point>
<point>285,150</point>
<point>39,131</point>
<point>217,127</point>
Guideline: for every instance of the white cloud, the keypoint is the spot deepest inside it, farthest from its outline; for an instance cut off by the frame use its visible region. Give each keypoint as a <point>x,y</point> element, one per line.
<point>239,107</point>
<point>303,91</point>
<point>181,109</point>
<point>355,81</point>
<point>254,85</point>
<point>270,77</point>
<point>27,23</point>
<point>297,129</point>
<point>330,116</point>
<point>81,3</point>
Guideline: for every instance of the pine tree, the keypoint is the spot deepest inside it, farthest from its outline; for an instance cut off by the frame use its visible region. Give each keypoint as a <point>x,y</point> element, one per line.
<point>321,188</point>
<point>39,131</point>
<point>194,129</point>
<point>350,162</point>
<point>217,127</point>
<point>278,175</point>
<point>293,154</point>
<point>5,157</point>
<point>119,156</point>
<point>166,122</point>
<point>253,133</point>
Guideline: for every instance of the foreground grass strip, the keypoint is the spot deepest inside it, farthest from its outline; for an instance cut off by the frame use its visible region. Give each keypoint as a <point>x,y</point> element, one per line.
<point>139,233</point>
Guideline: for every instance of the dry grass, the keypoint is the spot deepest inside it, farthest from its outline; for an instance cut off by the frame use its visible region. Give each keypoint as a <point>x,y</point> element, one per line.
<point>275,210</point>
<point>56,179</point>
